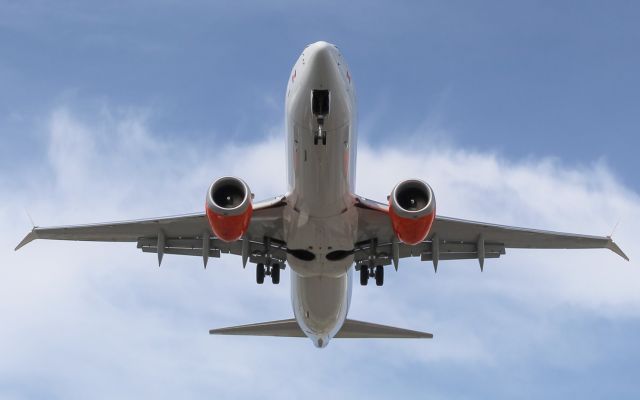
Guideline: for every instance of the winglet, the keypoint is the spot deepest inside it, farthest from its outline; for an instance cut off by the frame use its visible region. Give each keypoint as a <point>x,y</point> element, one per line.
<point>31,236</point>
<point>611,245</point>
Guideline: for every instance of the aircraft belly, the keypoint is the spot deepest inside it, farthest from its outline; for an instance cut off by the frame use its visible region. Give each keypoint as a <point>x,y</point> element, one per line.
<point>320,218</point>
<point>320,304</point>
<point>320,236</point>
<point>321,182</point>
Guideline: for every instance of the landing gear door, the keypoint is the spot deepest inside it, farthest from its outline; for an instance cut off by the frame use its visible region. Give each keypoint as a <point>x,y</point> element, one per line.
<point>320,103</point>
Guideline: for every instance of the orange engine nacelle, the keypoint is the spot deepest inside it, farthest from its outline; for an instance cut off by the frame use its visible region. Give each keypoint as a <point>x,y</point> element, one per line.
<point>229,208</point>
<point>412,209</point>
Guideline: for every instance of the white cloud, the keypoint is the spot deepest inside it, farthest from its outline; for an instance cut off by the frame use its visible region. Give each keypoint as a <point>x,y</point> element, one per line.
<point>540,194</point>
<point>82,318</point>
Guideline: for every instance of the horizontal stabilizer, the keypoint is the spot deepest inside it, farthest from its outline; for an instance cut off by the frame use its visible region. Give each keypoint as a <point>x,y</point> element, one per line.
<point>357,329</point>
<point>350,330</point>
<point>285,328</point>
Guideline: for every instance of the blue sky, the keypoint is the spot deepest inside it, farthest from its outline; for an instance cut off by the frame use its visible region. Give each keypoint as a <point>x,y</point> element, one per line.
<point>520,113</point>
<point>519,78</point>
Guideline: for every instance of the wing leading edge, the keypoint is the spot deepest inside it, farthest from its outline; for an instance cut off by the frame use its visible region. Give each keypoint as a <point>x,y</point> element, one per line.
<point>450,238</point>
<point>188,234</point>
<point>520,238</point>
<point>455,239</point>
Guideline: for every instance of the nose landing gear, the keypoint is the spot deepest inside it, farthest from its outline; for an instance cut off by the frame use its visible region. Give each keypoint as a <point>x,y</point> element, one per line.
<point>320,134</point>
<point>320,100</point>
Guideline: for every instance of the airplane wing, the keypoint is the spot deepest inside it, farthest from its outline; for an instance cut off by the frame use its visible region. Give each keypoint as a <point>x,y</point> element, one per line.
<point>185,235</point>
<point>456,239</point>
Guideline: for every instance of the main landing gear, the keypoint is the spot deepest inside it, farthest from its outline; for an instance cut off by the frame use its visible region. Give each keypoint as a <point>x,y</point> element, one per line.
<point>367,272</point>
<point>273,271</point>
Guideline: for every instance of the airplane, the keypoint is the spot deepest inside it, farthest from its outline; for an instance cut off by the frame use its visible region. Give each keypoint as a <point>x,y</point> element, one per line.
<point>320,228</point>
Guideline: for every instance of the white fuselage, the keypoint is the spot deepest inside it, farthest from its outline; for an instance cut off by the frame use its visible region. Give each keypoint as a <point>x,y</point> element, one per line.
<point>320,216</point>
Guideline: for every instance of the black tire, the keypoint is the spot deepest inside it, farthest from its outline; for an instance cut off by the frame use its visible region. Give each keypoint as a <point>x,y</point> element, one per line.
<point>324,140</point>
<point>260,274</point>
<point>275,274</point>
<point>379,275</point>
<point>364,275</point>
<point>315,140</point>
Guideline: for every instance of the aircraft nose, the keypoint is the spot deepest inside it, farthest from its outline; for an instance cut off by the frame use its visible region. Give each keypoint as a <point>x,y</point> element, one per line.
<point>322,60</point>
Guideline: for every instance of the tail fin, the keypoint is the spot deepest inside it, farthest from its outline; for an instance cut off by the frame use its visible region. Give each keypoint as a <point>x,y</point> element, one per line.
<point>350,330</point>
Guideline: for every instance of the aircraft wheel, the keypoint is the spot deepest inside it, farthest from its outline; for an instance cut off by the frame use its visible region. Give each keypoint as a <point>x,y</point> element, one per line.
<point>275,274</point>
<point>260,273</point>
<point>379,275</point>
<point>364,275</point>
<point>324,140</point>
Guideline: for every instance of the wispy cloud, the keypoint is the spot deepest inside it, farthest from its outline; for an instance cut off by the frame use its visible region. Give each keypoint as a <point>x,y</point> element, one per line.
<point>101,320</point>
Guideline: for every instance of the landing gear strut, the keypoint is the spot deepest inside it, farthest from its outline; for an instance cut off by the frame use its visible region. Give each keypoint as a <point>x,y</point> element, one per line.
<point>320,100</point>
<point>273,271</point>
<point>321,134</point>
<point>367,272</point>
<point>368,269</point>
<point>268,266</point>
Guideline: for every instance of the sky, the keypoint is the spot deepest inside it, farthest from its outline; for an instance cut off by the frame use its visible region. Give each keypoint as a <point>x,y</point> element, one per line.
<point>521,113</point>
